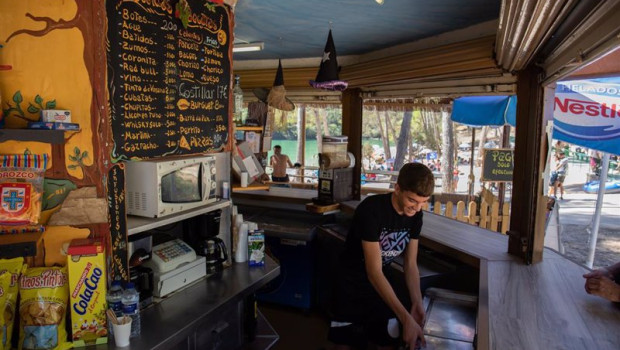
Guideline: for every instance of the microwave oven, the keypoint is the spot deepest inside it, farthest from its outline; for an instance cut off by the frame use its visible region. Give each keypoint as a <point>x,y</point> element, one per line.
<point>157,188</point>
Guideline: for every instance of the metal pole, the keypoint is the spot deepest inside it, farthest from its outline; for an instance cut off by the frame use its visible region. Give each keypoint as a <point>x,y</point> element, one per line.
<point>471,179</point>
<point>597,212</point>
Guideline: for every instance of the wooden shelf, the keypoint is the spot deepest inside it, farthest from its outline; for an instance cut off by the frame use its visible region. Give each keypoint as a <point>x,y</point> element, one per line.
<point>47,136</point>
<point>249,128</point>
<point>137,224</point>
<point>251,187</point>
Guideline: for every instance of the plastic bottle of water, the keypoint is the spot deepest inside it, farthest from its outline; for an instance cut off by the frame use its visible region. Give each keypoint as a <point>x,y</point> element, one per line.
<point>114,298</point>
<point>131,307</point>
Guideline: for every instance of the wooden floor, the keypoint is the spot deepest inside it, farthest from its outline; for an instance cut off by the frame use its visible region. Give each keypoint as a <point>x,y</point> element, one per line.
<point>299,330</point>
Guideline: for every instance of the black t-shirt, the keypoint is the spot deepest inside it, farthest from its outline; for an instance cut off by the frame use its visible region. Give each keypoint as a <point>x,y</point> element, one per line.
<point>375,220</point>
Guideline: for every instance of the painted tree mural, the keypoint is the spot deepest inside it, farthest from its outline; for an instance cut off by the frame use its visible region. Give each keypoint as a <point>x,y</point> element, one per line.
<point>53,49</point>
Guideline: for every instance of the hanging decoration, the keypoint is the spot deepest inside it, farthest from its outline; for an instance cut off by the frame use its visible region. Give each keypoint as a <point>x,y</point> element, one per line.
<point>327,77</point>
<point>276,97</point>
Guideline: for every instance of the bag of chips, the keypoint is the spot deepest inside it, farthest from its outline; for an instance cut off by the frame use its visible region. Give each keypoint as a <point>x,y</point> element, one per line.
<point>21,190</point>
<point>5,280</point>
<point>44,294</point>
<point>14,268</point>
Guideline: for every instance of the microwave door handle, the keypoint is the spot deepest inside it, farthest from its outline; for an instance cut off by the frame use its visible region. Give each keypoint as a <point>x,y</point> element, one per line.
<point>205,183</point>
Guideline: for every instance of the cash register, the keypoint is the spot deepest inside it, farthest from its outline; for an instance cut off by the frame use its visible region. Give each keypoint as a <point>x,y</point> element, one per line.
<point>175,265</point>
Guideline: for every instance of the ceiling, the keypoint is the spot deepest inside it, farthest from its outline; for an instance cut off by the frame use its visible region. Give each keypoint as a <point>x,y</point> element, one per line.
<point>298,28</point>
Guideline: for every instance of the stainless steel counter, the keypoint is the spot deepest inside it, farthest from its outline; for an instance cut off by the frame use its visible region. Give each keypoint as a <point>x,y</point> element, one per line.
<point>176,321</point>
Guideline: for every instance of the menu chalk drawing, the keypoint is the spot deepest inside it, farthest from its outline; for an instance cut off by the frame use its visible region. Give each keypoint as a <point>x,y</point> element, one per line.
<point>168,77</point>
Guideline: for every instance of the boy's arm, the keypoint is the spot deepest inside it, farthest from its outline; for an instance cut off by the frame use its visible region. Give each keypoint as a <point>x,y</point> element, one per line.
<point>288,161</point>
<point>412,279</point>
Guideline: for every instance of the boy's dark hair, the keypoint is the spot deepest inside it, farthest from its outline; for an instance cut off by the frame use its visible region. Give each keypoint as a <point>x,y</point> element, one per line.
<point>416,178</point>
<point>277,146</point>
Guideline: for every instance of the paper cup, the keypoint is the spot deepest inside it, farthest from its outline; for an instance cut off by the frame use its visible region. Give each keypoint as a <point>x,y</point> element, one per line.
<point>121,334</point>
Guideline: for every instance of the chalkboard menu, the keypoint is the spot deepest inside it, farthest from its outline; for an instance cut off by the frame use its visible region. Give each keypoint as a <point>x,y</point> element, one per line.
<point>497,165</point>
<point>118,223</point>
<point>168,76</point>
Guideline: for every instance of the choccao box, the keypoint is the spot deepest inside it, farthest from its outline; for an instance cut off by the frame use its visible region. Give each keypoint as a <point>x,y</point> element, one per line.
<point>56,115</point>
<point>87,288</point>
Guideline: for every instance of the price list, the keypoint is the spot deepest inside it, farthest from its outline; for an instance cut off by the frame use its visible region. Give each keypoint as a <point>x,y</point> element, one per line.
<point>169,79</point>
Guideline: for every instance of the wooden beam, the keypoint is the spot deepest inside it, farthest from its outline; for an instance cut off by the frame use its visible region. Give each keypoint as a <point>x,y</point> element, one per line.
<point>352,127</point>
<point>527,183</point>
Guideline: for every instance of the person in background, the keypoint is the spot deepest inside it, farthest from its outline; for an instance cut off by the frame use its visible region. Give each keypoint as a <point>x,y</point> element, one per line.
<point>604,282</point>
<point>455,180</point>
<point>559,175</point>
<point>366,307</point>
<point>279,163</point>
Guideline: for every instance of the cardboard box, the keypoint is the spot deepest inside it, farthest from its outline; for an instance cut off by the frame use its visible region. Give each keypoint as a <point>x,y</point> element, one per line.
<point>244,160</point>
<point>56,115</point>
<point>256,248</point>
<point>53,126</point>
<point>87,288</point>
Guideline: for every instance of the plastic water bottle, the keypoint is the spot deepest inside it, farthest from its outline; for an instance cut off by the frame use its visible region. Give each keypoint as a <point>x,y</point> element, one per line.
<point>131,308</point>
<point>114,298</point>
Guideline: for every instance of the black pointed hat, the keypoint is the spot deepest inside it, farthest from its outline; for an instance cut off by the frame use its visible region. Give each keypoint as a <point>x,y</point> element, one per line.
<point>276,97</point>
<point>327,78</point>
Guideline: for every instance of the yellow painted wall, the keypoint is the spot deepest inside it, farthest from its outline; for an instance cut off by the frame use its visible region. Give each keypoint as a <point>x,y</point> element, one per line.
<point>50,65</point>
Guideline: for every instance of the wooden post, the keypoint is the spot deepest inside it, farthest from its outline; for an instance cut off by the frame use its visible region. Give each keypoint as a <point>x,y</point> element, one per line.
<point>352,127</point>
<point>527,184</point>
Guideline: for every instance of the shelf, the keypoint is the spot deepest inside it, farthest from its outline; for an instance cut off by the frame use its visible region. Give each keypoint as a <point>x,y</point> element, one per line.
<point>137,224</point>
<point>47,136</point>
<point>251,187</point>
<point>249,128</point>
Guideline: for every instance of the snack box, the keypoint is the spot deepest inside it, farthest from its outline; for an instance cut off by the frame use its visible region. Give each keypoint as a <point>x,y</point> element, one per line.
<point>56,115</point>
<point>87,288</point>
<point>256,248</point>
<point>53,126</point>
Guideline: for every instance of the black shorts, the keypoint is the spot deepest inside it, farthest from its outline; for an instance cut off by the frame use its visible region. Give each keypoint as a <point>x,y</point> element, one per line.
<point>280,178</point>
<point>359,313</point>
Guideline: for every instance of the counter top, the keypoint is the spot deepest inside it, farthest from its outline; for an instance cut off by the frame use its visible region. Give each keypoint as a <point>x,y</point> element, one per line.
<point>540,306</point>
<point>166,323</point>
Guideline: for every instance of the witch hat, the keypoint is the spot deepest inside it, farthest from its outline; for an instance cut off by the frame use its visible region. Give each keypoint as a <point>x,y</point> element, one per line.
<point>276,97</point>
<point>327,78</point>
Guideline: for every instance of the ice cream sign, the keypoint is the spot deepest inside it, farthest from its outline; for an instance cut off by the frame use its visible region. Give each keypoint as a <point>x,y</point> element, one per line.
<point>587,113</point>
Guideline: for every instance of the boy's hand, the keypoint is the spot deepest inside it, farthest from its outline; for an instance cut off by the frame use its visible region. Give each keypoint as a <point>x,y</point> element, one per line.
<point>412,332</point>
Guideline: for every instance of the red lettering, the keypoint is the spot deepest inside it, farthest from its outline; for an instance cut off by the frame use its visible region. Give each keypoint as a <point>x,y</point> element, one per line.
<point>576,108</point>
<point>589,108</point>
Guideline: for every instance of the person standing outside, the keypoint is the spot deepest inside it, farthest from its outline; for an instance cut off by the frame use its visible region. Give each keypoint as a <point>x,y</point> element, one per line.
<point>561,169</point>
<point>279,163</point>
<point>366,307</point>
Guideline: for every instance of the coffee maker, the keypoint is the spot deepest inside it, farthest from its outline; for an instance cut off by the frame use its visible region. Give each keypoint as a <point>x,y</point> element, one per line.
<point>201,232</point>
<point>140,247</point>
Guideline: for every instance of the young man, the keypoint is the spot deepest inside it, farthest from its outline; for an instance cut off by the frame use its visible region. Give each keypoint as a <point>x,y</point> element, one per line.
<point>366,307</point>
<point>279,162</point>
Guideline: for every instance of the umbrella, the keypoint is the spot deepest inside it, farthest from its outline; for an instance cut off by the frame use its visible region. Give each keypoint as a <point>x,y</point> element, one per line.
<point>485,110</point>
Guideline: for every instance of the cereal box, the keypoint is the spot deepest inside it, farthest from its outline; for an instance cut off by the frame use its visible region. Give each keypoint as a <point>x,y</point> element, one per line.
<point>87,288</point>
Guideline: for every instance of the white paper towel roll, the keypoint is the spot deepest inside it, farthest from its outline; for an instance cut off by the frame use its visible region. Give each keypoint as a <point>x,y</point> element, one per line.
<point>241,254</point>
<point>244,179</point>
